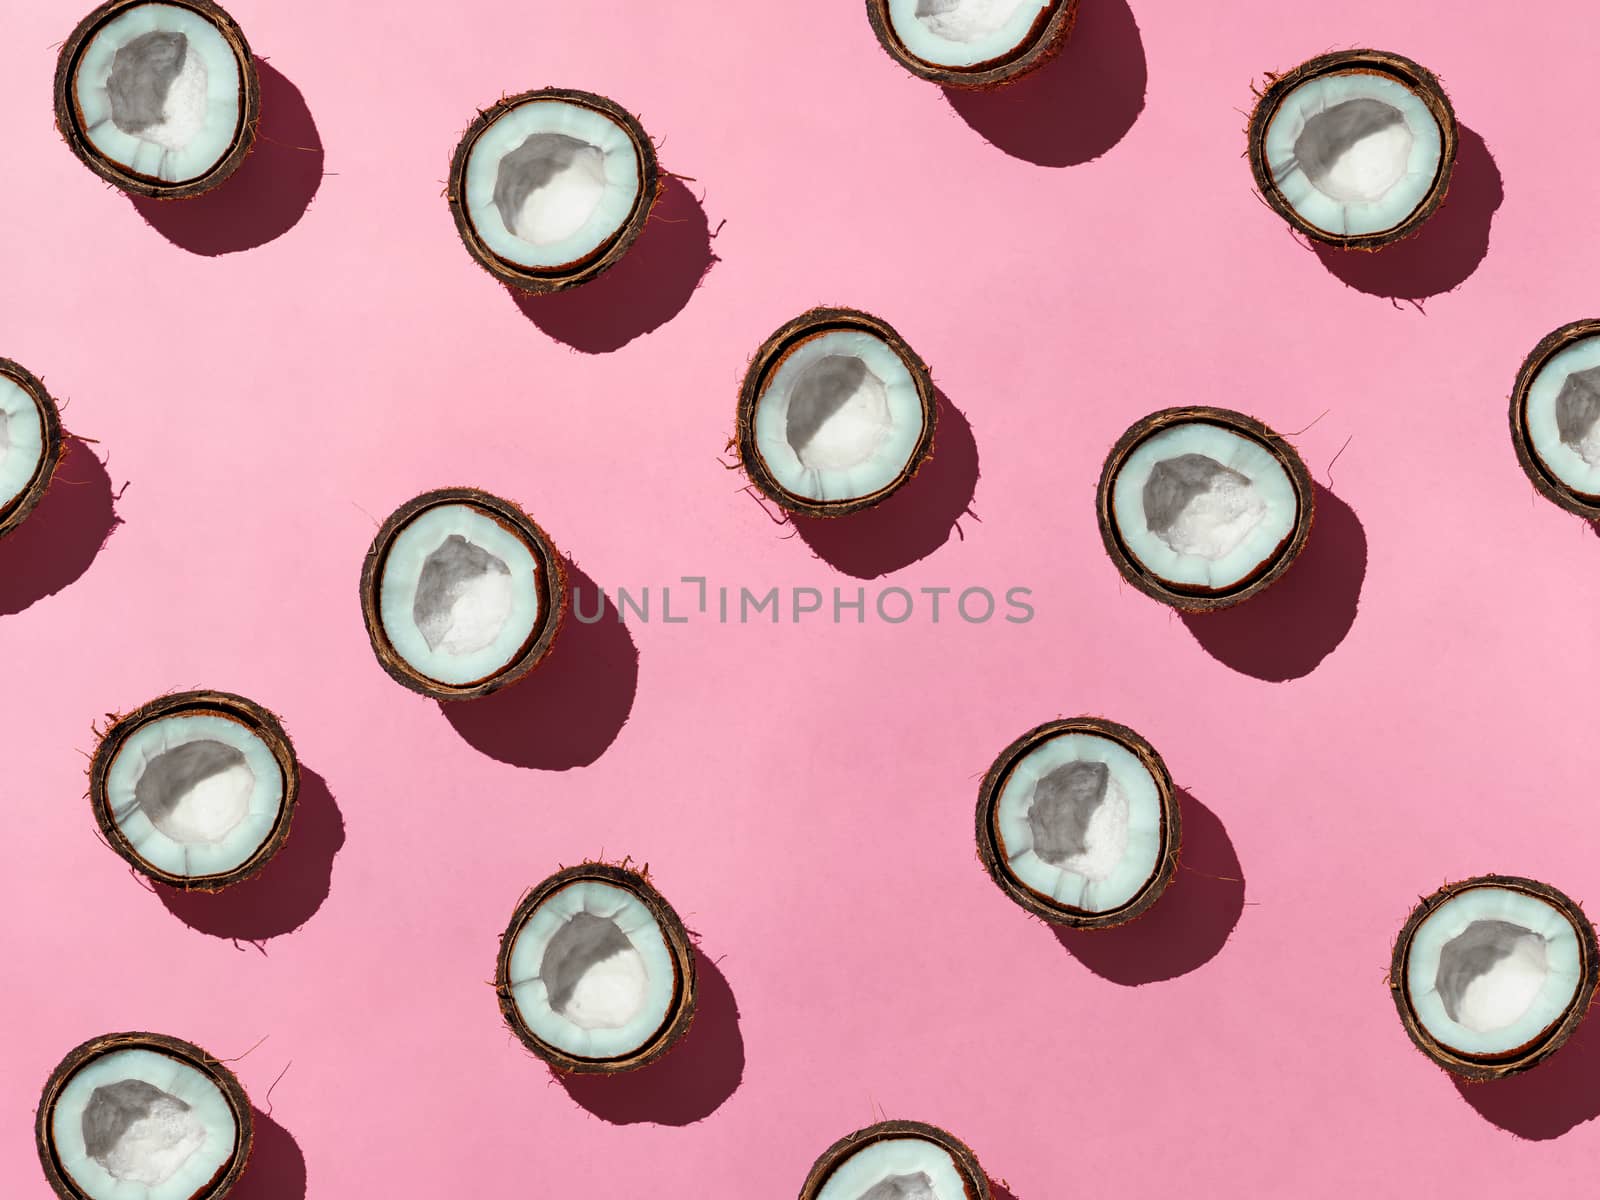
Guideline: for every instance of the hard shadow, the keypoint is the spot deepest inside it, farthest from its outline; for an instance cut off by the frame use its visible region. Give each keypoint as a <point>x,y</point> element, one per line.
<point>1191,922</point>
<point>1285,631</point>
<point>1449,246</point>
<point>277,1169</point>
<point>691,1081</point>
<point>648,286</point>
<point>571,707</point>
<point>289,890</point>
<point>916,520</point>
<point>1074,108</point>
<point>1560,1093</point>
<point>266,196</point>
<point>56,542</point>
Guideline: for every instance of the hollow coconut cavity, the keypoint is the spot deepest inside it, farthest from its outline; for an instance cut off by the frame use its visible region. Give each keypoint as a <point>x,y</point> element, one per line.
<point>30,443</point>
<point>1078,822</point>
<point>897,1160</point>
<point>596,973</point>
<point>835,413</point>
<point>196,789</point>
<point>1354,149</point>
<point>1555,417</point>
<point>159,98</point>
<point>1492,975</point>
<point>1202,508</point>
<point>972,43</point>
<point>139,1116</point>
<point>551,187</point>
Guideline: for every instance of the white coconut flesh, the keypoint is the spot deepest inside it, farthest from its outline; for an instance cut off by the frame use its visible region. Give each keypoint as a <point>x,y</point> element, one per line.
<point>195,794</point>
<point>840,418</point>
<point>1563,415</point>
<point>963,33</point>
<point>21,439</point>
<point>1201,506</point>
<point>139,1125</point>
<point>459,596</point>
<point>896,1169</point>
<point>1491,969</point>
<point>549,183</point>
<point>158,89</point>
<point>1353,152</point>
<point>1079,820</point>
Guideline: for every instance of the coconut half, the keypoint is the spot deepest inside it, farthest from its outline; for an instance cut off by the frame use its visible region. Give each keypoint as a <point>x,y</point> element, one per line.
<point>596,973</point>
<point>142,1116</point>
<point>1555,417</point>
<point>159,97</point>
<point>462,594</point>
<point>551,187</point>
<point>836,412</point>
<point>976,44</point>
<point>1201,508</point>
<point>1492,975</point>
<point>1354,149</point>
<point>897,1160</point>
<point>30,443</point>
<point>196,789</point>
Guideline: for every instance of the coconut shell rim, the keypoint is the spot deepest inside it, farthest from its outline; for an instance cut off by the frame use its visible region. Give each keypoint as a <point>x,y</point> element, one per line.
<point>975,1179</point>
<point>1044,42</point>
<point>186,1052</point>
<point>1415,78</point>
<point>69,118</point>
<point>679,945</point>
<point>812,323</point>
<point>53,446</point>
<point>1547,483</point>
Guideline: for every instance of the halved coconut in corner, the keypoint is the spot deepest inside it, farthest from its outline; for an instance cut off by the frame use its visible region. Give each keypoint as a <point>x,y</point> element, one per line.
<point>1201,508</point>
<point>196,789</point>
<point>30,443</point>
<point>897,1160</point>
<point>1493,974</point>
<point>596,973</point>
<point>1078,823</point>
<point>836,412</point>
<point>1555,417</point>
<point>972,43</point>
<point>159,97</point>
<point>142,1115</point>
<point>1354,149</point>
<point>551,187</point>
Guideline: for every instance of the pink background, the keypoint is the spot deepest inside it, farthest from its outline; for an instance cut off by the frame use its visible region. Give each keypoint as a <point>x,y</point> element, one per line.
<point>265,380</point>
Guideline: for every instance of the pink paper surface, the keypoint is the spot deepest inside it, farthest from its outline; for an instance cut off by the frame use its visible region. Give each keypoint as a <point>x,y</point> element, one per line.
<point>1407,708</point>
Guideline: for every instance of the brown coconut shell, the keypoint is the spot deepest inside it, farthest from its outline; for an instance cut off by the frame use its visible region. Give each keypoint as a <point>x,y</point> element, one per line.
<point>991,846</point>
<point>1414,78</point>
<point>1549,485</point>
<point>814,323</point>
<point>245,712</point>
<point>185,1052</point>
<point>551,584</point>
<point>975,1184</point>
<point>1042,43</point>
<point>69,117</point>
<point>1198,599</point>
<point>1480,1068</point>
<point>685,988</point>
<point>537,280</point>
<point>20,505</point>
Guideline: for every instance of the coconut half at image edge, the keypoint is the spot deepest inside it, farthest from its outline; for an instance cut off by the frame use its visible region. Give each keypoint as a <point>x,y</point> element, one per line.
<point>30,443</point>
<point>1492,975</point>
<point>1555,417</point>
<point>1354,149</point>
<point>551,187</point>
<point>159,97</point>
<point>897,1160</point>
<point>976,44</point>
<point>1201,508</point>
<point>596,973</point>
<point>836,413</point>
<point>146,1115</point>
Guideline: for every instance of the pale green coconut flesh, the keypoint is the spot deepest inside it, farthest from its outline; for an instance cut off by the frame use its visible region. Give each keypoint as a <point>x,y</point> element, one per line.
<point>840,418</point>
<point>159,91</point>
<point>140,1125</point>
<point>1080,819</point>
<point>908,1168</point>
<point>195,794</point>
<point>962,33</point>
<point>591,973</point>
<point>1201,506</point>
<point>21,439</point>
<point>1353,152</point>
<point>1563,415</point>
<point>1491,969</point>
